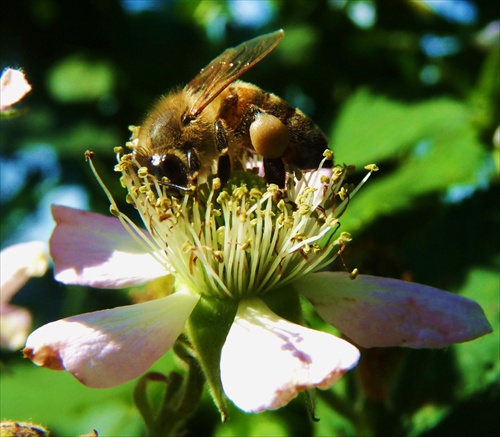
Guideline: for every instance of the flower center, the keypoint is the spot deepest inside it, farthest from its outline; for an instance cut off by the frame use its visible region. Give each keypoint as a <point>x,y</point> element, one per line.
<point>241,238</point>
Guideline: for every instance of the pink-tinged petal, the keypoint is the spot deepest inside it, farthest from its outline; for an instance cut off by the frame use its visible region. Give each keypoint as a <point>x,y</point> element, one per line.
<point>15,324</point>
<point>18,263</point>
<point>266,361</point>
<point>381,312</point>
<point>94,250</point>
<point>13,87</point>
<point>110,347</point>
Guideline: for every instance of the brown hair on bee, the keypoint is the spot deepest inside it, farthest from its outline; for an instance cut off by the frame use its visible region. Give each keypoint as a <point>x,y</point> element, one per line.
<point>215,121</point>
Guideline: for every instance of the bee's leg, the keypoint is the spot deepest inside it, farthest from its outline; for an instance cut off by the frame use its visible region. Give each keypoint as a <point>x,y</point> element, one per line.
<point>275,172</point>
<point>222,143</point>
<point>224,168</point>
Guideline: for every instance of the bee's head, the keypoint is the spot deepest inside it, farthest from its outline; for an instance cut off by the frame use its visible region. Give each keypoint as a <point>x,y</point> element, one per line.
<point>171,166</point>
<point>180,167</point>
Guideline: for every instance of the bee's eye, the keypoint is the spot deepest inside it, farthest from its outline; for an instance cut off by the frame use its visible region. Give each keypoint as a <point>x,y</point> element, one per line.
<point>171,167</point>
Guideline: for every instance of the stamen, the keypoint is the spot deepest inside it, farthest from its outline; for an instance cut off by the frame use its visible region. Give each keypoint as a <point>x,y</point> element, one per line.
<point>135,232</point>
<point>238,239</point>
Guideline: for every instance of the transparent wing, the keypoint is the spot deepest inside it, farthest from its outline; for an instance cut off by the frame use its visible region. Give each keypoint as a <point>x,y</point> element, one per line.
<point>228,67</point>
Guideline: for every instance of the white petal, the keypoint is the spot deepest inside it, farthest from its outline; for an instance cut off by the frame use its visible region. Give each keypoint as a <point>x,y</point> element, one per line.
<point>266,361</point>
<point>384,312</point>
<point>13,87</point>
<point>107,348</point>
<point>95,250</point>
<point>18,263</point>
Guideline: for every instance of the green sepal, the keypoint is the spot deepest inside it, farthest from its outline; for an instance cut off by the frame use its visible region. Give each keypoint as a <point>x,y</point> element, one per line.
<point>309,397</point>
<point>207,329</point>
<point>193,380</point>
<point>182,395</point>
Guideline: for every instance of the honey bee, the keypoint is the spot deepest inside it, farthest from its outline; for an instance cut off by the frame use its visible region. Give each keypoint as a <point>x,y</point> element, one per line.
<point>215,121</point>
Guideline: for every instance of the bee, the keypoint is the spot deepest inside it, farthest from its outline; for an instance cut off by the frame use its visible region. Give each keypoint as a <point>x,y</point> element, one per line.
<point>216,121</point>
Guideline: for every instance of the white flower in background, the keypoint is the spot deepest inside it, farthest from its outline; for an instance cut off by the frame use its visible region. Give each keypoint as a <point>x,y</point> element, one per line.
<point>18,263</point>
<point>13,87</point>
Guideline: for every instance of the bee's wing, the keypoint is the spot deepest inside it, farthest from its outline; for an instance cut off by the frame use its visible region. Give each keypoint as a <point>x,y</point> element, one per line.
<point>228,67</point>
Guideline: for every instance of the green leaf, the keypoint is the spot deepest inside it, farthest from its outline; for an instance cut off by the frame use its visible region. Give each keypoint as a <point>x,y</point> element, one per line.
<point>64,405</point>
<point>266,424</point>
<point>420,148</point>
<point>479,361</point>
<point>77,78</point>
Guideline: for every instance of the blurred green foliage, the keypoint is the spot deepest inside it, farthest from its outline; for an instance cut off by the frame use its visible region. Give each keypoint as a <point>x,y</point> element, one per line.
<point>397,83</point>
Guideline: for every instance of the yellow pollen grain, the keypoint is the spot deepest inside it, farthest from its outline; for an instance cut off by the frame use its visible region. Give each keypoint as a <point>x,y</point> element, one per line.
<point>242,215</point>
<point>223,197</point>
<point>325,179</point>
<point>216,184</point>
<point>256,193</point>
<point>187,247</point>
<point>142,172</point>
<point>371,167</point>
<point>304,209</point>
<point>288,222</point>
<point>328,154</point>
<point>332,222</point>
<point>247,245</point>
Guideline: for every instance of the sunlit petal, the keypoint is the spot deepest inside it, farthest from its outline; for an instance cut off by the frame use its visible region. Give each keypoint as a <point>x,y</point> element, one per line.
<point>266,361</point>
<point>107,348</point>
<point>379,312</point>
<point>95,250</point>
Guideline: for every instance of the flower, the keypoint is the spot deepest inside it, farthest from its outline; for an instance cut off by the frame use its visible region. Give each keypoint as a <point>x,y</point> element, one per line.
<point>18,263</point>
<point>13,87</point>
<point>241,253</point>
